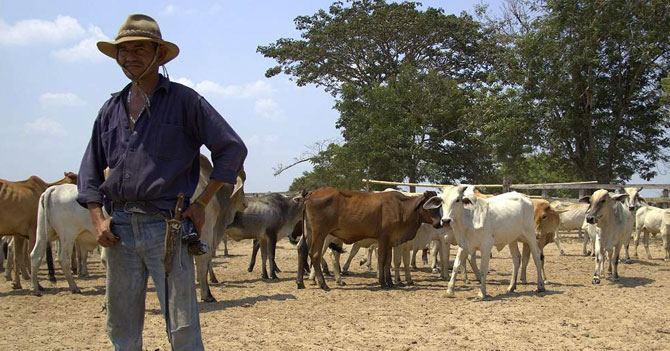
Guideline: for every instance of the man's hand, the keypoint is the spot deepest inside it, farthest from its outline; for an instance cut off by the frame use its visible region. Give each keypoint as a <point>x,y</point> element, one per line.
<point>196,212</point>
<point>105,236</point>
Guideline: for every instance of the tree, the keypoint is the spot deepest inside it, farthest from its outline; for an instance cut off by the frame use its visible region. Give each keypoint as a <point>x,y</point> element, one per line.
<point>591,74</point>
<point>359,53</point>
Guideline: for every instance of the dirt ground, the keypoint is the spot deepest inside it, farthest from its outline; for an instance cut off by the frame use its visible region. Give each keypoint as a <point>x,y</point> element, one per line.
<point>252,314</point>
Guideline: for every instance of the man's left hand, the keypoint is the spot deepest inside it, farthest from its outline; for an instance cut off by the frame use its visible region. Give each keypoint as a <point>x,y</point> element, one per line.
<point>196,212</point>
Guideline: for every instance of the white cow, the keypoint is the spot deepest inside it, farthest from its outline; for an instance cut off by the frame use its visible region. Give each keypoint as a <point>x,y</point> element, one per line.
<point>424,236</point>
<point>571,219</point>
<point>632,202</point>
<point>480,224</point>
<point>370,245</point>
<point>614,222</point>
<point>665,234</point>
<point>59,216</point>
<point>649,220</point>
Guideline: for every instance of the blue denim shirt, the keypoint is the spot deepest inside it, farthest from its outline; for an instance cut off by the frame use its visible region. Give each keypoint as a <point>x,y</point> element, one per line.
<point>160,158</point>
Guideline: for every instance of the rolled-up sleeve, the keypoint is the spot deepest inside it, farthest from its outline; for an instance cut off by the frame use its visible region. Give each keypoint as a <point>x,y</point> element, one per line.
<point>227,148</point>
<point>91,170</point>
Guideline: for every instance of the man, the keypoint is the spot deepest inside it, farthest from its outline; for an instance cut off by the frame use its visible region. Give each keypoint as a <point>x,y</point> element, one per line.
<point>149,135</point>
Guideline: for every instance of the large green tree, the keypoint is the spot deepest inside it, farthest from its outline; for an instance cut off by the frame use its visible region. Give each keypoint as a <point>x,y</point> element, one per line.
<point>590,75</point>
<point>388,64</point>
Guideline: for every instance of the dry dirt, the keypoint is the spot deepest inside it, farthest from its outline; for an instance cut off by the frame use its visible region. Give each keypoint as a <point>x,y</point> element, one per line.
<point>252,314</point>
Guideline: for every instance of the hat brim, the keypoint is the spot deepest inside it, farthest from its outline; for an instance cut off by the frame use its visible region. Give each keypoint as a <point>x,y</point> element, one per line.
<point>110,48</point>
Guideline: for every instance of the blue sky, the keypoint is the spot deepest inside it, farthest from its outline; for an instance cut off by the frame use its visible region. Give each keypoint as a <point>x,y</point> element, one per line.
<point>55,80</point>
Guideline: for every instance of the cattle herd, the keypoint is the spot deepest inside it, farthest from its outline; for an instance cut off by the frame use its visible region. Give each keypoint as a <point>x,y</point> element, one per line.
<point>391,224</point>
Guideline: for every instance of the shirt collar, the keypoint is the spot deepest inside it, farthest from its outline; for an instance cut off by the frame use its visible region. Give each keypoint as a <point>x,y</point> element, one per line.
<point>163,83</point>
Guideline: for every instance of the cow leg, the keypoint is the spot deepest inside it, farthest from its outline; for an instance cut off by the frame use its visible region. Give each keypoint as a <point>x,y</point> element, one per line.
<point>579,233</point>
<point>382,253</point>
<point>254,251</point>
<point>225,247</point>
<point>610,255</point>
<point>210,273</point>
<point>18,261</point>
<point>202,264</point>
<point>599,261</point>
<point>586,243</point>
<point>83,262</point>
<point>397,256</point>
<point>646,244</point>
<point>557,240</point>
<point>370,251</point>
<point>24,257</point>
<point>537,258</point>
<point>405,262</point>
<point>3,254</point>
<point>413,261</point>
<point>35,262</point>
<point>444,259</point>
<point>461,256</point>
<point>486,256</point>
<point>10,260</point>
<point>387,266</point>
<point>473,265</point>
<point>337,270</point>
<point>50,263</point>
<point>264,258</point>
<point>615,262</point>
<point>65,259</point>
<point>316,253</point>
<point>636,240</point>
<point>626,243</point>
<point>302,262</point>
<point>525,257</point>
<point>424,256</point>
<point>272,248</point>
<point>516,261</point>
<point>354,250</point>
<point>666,245</point>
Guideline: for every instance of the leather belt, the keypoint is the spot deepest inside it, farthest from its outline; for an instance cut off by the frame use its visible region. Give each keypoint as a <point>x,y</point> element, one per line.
<point>139,207</point>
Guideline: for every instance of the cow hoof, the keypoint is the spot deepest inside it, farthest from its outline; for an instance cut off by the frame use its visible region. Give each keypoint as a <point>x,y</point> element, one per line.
<point>540,290</point>
<point>511,290</point>
<point>341,283</point>
<point>562,253</point>
<point>410,283</point>
<point>209,299</point>
<point>277,270</point>
<point>524,282</point>
<point>596,280</point>
<point>627,261</point>
<point>413,266</point>
<point>450,293</point>
<point>666,259</point>
<point>213,280</point>
<point>36,293</point>
<point>482,297</point>
<point>325,287</point>
<point>345,273</point>
<point>400,284</point>
<point>264,276</point>
<point>250,269</point>
<point>16,286</point>
<point>435,271</point>
<point>301,285</point>
<point>274,277</point>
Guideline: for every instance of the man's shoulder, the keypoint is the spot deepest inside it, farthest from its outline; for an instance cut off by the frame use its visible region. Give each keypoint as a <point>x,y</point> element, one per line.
<point>182,90</point>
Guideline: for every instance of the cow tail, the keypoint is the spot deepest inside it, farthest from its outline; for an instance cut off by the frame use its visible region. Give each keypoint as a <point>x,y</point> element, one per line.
<point>42,235</point>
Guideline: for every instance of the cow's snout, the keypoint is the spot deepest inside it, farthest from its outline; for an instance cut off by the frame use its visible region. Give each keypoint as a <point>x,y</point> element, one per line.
<point>590,220</point>
<point>631,208</point>
<point>446,222</point>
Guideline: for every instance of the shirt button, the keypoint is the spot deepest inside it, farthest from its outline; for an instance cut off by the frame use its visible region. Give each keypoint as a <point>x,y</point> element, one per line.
<point>127,176</point>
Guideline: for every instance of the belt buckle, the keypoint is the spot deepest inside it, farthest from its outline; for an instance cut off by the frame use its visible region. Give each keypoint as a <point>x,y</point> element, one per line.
<point>133,207</point>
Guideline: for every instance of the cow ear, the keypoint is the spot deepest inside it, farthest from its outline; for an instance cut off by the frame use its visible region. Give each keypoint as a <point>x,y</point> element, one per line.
<point>620,197</point>
<point>585,199</point>
<point>469,200</point>
<point>433,203</point>
<point>642,200</point>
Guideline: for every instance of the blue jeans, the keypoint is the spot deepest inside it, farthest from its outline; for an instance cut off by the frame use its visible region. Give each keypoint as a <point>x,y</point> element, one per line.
<point>130,261</point>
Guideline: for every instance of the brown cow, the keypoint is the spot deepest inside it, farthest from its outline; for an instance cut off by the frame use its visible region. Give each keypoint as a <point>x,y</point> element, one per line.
<point>391,218</point>
<point>18,216</point>
<point>547,220</point>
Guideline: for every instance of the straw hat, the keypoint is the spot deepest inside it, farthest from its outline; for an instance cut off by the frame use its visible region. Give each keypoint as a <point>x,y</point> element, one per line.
<point>138,27</point>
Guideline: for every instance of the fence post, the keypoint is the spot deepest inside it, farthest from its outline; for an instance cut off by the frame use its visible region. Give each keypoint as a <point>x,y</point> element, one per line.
<point>545,194</point>
<point>581,193</point>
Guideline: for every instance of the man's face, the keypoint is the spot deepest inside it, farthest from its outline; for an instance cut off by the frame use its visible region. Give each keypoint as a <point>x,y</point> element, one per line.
<point>136,56</point>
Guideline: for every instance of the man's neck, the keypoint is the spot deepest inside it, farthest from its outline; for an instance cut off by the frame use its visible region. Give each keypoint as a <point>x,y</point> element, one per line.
<point>147,83</point>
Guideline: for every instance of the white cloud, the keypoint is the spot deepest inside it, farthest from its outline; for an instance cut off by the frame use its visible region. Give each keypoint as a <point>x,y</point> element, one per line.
<point>168,10</point>
<point>45,127</point>
<point>250,90</point>
<point>85,50</point>
<point>256,140</point>
<point>33,31</point>
<point>65,99</point>
<point>267,108</point>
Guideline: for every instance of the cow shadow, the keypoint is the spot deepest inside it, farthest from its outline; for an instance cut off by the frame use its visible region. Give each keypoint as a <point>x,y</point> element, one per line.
<point>516,294</point>
<point>633,282</point>
<point>642,262</point>
<point>243,302</point>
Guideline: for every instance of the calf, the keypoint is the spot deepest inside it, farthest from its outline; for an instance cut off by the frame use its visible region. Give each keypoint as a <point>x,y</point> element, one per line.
<point>480,224</point>
<point>571,219</point>
<point>547,219</point>
<point>59,216</point>
<point>615,221</point>
<point>648,220</point>
<point>268,219</point>
<point>391,218</point>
